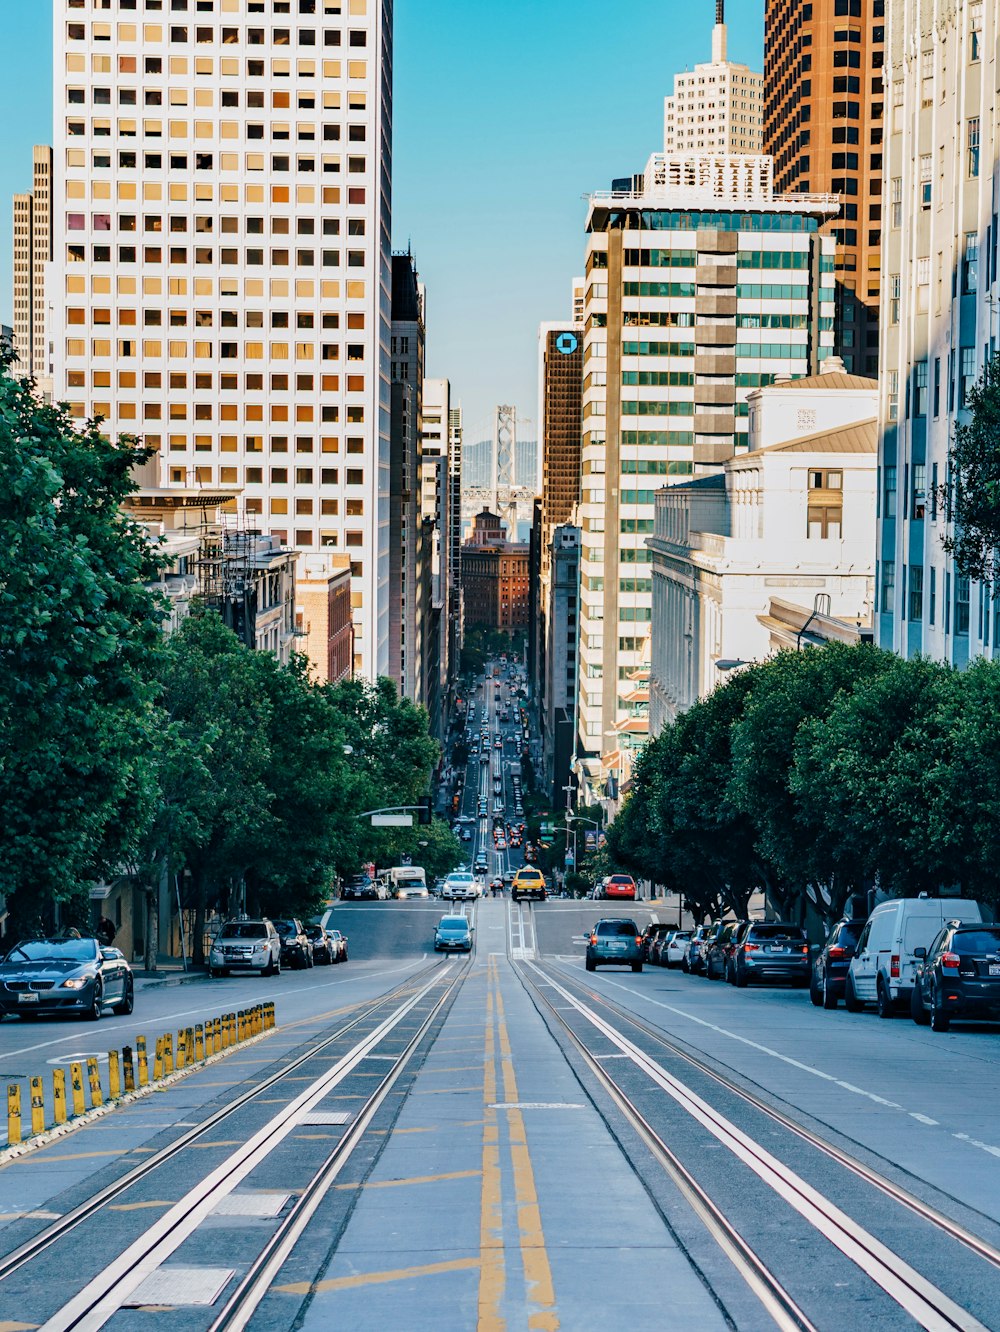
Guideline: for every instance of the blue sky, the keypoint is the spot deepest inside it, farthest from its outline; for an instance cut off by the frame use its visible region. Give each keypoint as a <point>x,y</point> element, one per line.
<point>506,113</point>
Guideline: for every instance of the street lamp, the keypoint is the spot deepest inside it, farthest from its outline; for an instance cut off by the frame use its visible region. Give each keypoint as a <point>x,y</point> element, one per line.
<point>730,664</point>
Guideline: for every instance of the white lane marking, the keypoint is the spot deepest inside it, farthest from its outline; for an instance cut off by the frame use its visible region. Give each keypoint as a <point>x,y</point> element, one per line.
<point>928,1305</point>
<point>100,1299</point>
<point>806,1068</point>
<point>130,1023</point>
<point>763,1049</point>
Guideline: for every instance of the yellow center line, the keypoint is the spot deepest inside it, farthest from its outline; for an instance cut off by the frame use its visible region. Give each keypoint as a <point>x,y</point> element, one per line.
<point>534,1255</point>
<point>139,1206</point>
<point>492,1264</point>
<point>414,1179</point>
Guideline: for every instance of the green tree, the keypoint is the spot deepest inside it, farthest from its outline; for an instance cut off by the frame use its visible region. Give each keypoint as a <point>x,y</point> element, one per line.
<point>973,499</point>
<point>78,630</point>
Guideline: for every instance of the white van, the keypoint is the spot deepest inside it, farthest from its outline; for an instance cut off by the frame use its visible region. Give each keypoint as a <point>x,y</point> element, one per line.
<point>881,970</point>
<point>407,881</point>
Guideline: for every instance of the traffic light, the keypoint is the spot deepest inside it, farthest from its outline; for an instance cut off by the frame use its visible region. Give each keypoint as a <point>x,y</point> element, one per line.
<point>426,814</point>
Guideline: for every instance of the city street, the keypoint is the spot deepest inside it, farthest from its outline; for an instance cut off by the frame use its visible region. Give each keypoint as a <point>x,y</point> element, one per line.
<point>761,1156</point>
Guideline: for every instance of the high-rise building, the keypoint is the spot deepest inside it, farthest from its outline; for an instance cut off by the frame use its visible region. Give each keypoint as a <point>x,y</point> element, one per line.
<point>562,629</point>
<point>940,304</point>
<point>455,604</point>
<point>579,296</point>
<point>717,107</point>
<point>495,577</point>
<point>32,255</point>
<point>407,352</point>
<point>221,270</point>
<point>823,124</point>
<point>702,286</point>
<point>435,499</point>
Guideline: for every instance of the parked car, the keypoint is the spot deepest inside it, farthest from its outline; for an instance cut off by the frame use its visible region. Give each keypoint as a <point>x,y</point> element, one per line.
<point>296,947</point>
<point>359,888</point>
<point>958,976</point>
<point>453,935</point>
<point>614,943</point>
<point>339,944</point>
<point>322,945</point>
<point>694,960</point>
<point>718,948</point>
<point>527,882</point>
<point>882,968</point>
<point>673,948</point>
<point>245,945</point>
<point>830,963</point>
<point>65,976</point>
<point>619,886</point>
<point>651,936</point>
<point>771,950</point>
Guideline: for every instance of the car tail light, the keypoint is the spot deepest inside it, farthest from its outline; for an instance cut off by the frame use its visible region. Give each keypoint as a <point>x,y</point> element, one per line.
<point>638,940</point>
<point>751,948</point>
<point>593,939</point>
<point>950,960</point>
<point>836,953</point>
<point>894,966</point>
<point>805,948</point>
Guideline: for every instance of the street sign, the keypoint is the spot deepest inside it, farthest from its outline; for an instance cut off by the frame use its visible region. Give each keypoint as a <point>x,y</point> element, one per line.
<point>392,820</point>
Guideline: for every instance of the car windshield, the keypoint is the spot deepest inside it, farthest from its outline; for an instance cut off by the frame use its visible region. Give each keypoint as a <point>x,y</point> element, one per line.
<point>776,932</point>
<point>244,929</point>
<point>616,927</point>
<point>454,926</point>
<point>315,931</point>
<point>54,950</point>
<point>970,943</point>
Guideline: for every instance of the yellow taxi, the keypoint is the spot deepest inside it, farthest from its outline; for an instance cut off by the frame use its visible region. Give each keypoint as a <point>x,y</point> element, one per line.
<point>529,881</point>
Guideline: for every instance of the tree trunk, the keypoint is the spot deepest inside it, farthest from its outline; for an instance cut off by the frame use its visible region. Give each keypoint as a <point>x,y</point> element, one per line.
<point>198,942</point>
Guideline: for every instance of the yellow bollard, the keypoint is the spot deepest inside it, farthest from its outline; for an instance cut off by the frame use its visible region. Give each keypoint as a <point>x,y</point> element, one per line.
<point>199,1042</point>
<point>94,1078</point>
<point>140,1050</point>
<point>59,1095</point>
<point>258,1020</point>
<point>13,1114</point>
<point>37,1106</point>
<point>181,1049</point>
<point>114,1075</point>
<point>76,1086</point>
<point>212,1038</point>
<point>189,1044</point>
<point>168,1054</point>
<point>158,1060</point>
<point>241,1030</point>
<point>129,1068</point>
<point>226,1030</point>
<point>217,1025</point>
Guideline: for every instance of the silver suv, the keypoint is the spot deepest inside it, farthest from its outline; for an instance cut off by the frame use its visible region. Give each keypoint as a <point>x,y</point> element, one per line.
<point>246,945</point>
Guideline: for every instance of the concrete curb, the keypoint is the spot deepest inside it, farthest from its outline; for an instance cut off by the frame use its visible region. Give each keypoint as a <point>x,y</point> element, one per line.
<point>185,978</point>
<point>8,1154</point>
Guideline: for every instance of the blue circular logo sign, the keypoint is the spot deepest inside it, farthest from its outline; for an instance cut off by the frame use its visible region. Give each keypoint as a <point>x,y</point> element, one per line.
<point>567,343</point>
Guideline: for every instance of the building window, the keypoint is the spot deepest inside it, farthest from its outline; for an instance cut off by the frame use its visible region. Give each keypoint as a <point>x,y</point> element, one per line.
<point>888,585</point>
<point>972,146</point>
<point>937,387</point>
<point>896,201</point>
<point>916,593</point>
<point>889,492</point>
<point>961,605</point>
<point>926,77</point>
<point>967,374</point>
<point>932,598</point>
<point>926,165</point>
<point>893,395</point>
<point>894,298</point>
<point>970,263</point>
<point>920,388</point>
<point>918,496</point>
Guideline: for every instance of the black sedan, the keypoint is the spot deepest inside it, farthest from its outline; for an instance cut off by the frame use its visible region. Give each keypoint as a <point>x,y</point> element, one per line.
<point>830,963</point>
<point>325,951</point>
<point>71,975</point>
<point>958,976</point>
<point>296,946</point>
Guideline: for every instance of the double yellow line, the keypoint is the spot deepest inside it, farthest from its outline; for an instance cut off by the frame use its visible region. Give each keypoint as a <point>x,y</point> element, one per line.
<point>534,1256</point>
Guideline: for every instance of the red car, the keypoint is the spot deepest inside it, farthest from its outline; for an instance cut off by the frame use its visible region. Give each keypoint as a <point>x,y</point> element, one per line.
<point>619,886</point>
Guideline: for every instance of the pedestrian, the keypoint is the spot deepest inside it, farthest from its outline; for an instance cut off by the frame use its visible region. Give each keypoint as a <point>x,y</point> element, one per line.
<point>105,931</point>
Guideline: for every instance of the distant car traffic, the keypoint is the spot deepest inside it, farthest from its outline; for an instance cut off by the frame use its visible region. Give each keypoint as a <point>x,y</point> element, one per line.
<point>614,943</point>
<point>245,945</point>
<point>47,976</point>
<point>359,888</point>
<point>339,943</point>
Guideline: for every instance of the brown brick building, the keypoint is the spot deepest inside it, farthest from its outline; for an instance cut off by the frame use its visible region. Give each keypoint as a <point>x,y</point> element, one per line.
<point>823,126</point>
<point>495,578</point>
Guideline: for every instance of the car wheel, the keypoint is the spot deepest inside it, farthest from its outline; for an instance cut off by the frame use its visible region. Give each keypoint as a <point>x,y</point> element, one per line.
<point>917,1010</point>
<point>128,1001</point>
<point>940,1021</point>
<point>731,974</point>
<point>343,956</point>
<point>742,980</point>
<point>95,1012</point>
<point>815,993</point>
<point>884,1004</point>
<point>829,997</point>
<point>685,968</point>
<point>591,965</point>
<point>269,969</point>
<point>851,1001</point>
<point>637,966</point>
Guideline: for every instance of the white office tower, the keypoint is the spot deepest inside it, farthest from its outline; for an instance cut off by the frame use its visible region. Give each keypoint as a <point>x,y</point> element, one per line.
<point>221,213</point>
<point>716,108</point>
